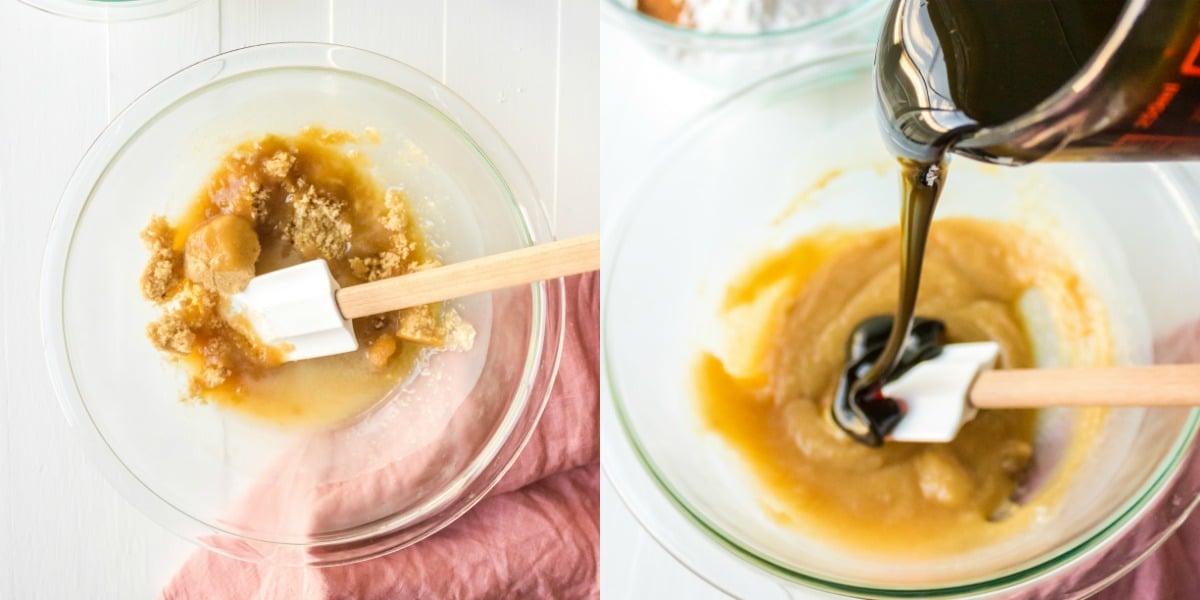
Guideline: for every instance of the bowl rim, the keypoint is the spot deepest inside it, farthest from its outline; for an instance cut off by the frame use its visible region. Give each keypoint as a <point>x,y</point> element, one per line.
<point>110,10</point>
<point>822,72</point>
<point>512,431</point>
<point>856,13</point>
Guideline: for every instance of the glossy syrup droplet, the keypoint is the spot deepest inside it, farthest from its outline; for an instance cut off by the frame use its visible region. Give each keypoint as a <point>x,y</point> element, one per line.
<point>875,414</point>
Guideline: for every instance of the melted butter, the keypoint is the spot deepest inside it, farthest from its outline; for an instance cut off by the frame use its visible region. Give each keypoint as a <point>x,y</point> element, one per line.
<point>315,392</point>
<point>769,398</point>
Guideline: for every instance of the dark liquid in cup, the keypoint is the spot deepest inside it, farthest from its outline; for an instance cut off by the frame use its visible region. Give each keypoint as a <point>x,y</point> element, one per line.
<point>947,68</point>
<point>982,63</point>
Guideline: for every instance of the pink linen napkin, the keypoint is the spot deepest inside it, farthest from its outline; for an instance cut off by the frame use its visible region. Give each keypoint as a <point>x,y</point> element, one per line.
<point>535,536</point>
<point>1172,572</point>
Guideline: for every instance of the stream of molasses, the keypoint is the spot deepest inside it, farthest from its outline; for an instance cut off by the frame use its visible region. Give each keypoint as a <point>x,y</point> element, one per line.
<point>945,69</point>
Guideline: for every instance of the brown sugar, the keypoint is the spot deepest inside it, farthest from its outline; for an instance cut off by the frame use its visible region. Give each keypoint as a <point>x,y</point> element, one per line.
<point>162,274</point>
<point>317,227</point>
<point>279,165</point>
<point>171,333</point>
<point>258,202</point>
<point>194,326</point>
<point>212,376</point>
<point>420,324</point>
<point>275,202</point>
<point>381,266</point>
<point>220,254</point>
<point>457,334</point>
<point>396,219</point>
<point>381,350</point>
<point>432,325</point>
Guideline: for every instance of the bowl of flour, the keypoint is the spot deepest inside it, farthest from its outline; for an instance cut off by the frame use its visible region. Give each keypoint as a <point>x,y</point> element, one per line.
<point>730,43</point>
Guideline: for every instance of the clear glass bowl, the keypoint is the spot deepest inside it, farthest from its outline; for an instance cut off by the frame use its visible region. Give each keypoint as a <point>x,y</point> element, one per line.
<point>404,469</point>
<point>111,10</point>
<point>736,59</point>
<point>709,201</point>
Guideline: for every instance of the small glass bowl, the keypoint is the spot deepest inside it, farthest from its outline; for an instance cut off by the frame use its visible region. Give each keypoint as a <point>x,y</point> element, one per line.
<point>402,470</point>
<point>735,59</point>
<point>111,10</point>
<point>706,206</point>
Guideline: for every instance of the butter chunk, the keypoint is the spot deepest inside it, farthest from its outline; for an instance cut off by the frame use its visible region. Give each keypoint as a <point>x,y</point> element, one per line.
<point>220,254</point>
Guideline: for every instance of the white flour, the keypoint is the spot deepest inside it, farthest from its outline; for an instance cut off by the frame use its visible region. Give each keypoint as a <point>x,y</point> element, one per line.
<point>755,16</point>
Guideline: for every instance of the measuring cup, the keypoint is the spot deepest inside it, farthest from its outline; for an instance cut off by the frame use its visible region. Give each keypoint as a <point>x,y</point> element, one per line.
<point>1136,98</point>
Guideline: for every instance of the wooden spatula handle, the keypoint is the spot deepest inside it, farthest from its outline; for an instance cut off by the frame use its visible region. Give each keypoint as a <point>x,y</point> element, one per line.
<point>1158,385</point>
<point>495,272</point>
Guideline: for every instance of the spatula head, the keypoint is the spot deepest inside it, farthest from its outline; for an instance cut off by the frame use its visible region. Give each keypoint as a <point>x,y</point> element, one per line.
<point>296,308</point>
<point>936,392</point>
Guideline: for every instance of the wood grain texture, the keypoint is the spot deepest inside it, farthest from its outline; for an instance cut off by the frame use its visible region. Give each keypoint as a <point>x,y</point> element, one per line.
<point>642,102</point>
<point>251,22</point>
<point>1158,385</point>
<point>459,280</point>
<point>58,508</point>
<point>7,478</point>
<point>411,31</point>
<point>139,56</point>
<point>574,199</point>
<point>511,80</point>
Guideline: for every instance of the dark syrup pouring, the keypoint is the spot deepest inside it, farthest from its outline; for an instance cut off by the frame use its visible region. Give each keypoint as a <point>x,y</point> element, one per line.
<point>944,70</point>
<point>863,351</point>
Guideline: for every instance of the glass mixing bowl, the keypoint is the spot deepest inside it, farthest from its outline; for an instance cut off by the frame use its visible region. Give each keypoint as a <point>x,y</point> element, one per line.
<point>110,10</point>
<point>709,202</point>
<point>387,478</point>
<point>735,59</point>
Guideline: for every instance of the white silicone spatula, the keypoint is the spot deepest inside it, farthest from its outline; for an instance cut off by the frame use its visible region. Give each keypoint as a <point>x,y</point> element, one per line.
<point>942,394</point>
<point>303,310</point>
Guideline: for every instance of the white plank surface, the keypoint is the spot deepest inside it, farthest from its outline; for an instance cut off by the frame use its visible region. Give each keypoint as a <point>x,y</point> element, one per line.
<point>417,35</point>
<point>63,532</point>
<point>642,101</point>
<point>506,81</point>
<point>577,170</point>
<point>249,22</point>
<point>54,500</point>
<point>139,55</point>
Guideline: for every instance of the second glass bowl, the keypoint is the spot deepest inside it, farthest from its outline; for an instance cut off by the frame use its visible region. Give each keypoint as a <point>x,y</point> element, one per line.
<point>742,164</point>
<point>735,59</point>
<point>111,10</point>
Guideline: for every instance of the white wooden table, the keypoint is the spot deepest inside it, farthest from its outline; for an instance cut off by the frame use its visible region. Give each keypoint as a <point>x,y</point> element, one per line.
<point>528,65</point>
<point>642,101</point>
